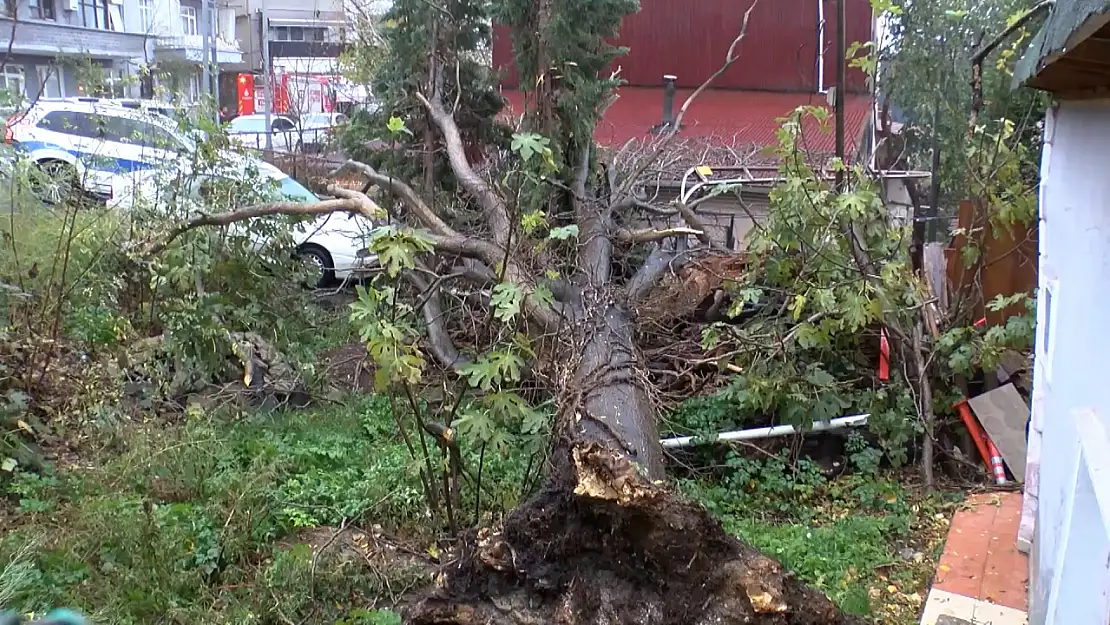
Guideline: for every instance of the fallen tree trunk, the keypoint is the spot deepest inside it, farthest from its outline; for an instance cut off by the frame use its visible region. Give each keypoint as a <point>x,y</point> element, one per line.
<point>604,543</point>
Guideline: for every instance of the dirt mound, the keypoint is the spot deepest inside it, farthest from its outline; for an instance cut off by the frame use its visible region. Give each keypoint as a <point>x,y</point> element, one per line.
<point>610,547</point>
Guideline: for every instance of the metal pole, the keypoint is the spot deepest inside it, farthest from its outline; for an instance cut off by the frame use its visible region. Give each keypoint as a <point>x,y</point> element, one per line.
<point>204,26</point>
<point>841,92</point>
<point>215,30</point>
<point>267,70</point>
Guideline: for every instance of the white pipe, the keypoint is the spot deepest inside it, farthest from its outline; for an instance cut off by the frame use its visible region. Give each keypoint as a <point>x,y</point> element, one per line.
<point>769,432</point>
<point>821,47</point>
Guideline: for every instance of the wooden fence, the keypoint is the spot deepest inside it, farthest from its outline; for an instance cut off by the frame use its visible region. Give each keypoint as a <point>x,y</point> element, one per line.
<point>984,262</point>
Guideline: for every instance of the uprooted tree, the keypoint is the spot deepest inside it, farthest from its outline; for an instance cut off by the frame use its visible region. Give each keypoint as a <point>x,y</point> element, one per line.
<point>534,236</point>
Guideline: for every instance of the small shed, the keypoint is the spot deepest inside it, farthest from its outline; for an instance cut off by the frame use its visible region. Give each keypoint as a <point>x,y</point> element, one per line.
<point>1066,519</point>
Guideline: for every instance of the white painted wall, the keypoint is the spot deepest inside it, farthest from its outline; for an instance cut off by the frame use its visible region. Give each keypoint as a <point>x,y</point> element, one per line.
<point>1071,405</point>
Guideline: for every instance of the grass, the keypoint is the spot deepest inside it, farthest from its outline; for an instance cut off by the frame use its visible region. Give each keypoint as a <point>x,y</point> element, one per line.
<point>867,541</point>
<point>206,521</point>
<point>217,520</point>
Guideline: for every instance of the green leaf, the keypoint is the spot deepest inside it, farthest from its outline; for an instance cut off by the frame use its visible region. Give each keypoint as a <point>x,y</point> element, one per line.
<point>529,144</point>
<point>797,306</point>
<point>563,233</point>
<point>819,377</point>
<point>533,220</point>
<point>507,299</point>
<point>543,296</point>
<point>397,126</point>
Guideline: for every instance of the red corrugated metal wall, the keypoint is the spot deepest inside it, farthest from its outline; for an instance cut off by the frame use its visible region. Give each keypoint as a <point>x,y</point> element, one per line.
<point>690,39</point>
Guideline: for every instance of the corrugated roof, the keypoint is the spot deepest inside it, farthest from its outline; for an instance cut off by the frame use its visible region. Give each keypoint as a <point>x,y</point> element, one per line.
<point>738,120</point>
<point>1069,22</point>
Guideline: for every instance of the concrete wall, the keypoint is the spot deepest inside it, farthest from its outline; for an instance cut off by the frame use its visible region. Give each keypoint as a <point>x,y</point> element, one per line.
<point>1071,408</point>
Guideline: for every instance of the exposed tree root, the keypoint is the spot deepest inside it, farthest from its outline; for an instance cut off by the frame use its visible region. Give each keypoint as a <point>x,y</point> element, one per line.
<point>604,545</point>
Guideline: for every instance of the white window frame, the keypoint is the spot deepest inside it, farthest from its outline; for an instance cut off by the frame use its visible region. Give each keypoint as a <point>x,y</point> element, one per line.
<point>189,21</point>
<point>1047,318</point>
<point>50,75</point>
<point>115,15</point>
<point>146,16</point>
<point>10,73</point>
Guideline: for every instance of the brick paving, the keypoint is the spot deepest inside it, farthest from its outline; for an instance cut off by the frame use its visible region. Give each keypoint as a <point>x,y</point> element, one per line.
<point>982,578</point>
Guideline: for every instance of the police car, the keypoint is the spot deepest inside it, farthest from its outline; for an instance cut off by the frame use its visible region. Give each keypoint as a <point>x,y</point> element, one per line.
<point>119,154</point>
<point>92,145</point>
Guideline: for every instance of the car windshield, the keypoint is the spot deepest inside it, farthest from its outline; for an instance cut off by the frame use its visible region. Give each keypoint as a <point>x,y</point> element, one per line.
<point>296,191</point>
<point>248,124</point>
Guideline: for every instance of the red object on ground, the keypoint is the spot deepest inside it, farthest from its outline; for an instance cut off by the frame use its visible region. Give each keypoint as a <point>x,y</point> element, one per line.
<point>977,433</point>
<point>884,356</point>
<point>997,468</point>
<point>982,322</point>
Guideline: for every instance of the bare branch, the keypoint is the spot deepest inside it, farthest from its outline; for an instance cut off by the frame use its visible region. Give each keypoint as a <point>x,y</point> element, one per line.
<point>730,58</point>
<point>651,234</point>
<point>349,201</point>
<point>694,222</point>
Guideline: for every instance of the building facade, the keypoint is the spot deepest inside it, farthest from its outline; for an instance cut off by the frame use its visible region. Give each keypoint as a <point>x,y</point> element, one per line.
<point>1066,520</point>
<point>71,47</point>
<point>114,48</point>
<point>306,37</point>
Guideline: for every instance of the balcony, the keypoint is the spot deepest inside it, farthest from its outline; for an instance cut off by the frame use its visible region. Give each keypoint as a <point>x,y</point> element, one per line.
<point>56,39</point>
<point>191,48</point>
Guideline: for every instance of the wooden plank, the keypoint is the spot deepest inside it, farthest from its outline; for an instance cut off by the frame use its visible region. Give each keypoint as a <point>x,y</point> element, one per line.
<point>1004,415</point>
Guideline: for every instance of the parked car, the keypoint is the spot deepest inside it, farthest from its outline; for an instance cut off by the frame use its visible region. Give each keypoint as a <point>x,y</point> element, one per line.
<point>88,145</point>
<point>317,130</point>
<point>335,243</point>
<point>250,131</point>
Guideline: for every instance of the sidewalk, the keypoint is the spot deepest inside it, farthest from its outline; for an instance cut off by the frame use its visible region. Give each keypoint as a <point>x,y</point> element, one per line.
<point>982,578</point>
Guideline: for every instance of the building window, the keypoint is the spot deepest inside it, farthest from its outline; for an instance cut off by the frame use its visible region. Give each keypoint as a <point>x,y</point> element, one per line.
<point>281,33</point>
<point>189,21</point>
<point>296,33</point>
<point>319,34</point>
<point>1046,326</point>
<point>102,14</point>
<point>50,81</point>
<point>43,10</point>
<point>12,82</point>
<point>146,15</point>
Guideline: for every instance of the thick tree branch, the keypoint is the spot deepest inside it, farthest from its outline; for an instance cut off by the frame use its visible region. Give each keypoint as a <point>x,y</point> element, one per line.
<point>649,273</point>
<point>596,253</point>
<point>348,201</point>
<point>440,344</point>
<point>497,214</point>
<point>419,209</point>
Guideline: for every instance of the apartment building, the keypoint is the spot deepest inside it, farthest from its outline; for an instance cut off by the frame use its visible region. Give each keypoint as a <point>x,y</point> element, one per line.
<point>179,31</point>
<point>114,48</point>
<point>305,36</point>
<point>70,47</point>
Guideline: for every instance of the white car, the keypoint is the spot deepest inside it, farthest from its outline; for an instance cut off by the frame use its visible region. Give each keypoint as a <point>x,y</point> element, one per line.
<point>92,144</point>
<point>318,129</point>
<point>336,243</point>
<point>250,131</point>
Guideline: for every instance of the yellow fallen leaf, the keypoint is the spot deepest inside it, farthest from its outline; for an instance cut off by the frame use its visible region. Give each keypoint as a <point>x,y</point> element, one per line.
<point>892,589</point>
<point>23,425</point>
<point>944,568</point>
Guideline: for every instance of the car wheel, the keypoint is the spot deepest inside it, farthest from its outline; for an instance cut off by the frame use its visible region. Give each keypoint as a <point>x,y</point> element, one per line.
<point>321,261</point>
<point>55,182</point>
